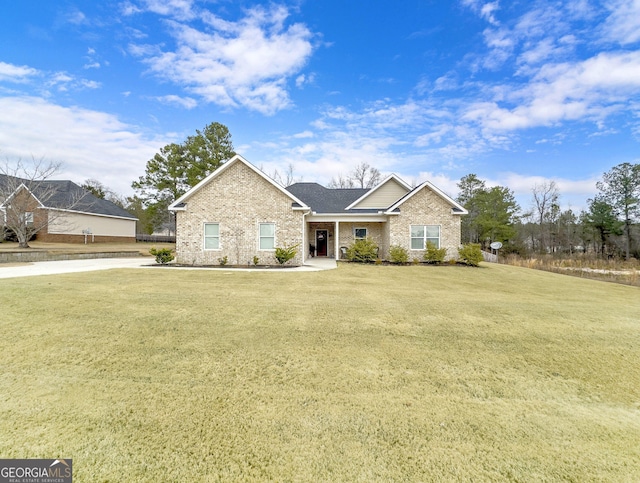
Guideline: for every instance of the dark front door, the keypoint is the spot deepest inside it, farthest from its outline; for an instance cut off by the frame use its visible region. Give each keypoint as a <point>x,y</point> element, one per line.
<point>321,243</point>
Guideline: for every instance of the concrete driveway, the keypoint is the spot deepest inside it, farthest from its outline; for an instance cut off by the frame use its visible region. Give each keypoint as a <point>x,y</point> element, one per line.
<point>70,266</point>
<point>93,264</point>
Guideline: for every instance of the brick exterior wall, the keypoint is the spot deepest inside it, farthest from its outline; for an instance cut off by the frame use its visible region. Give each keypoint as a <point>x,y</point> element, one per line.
<point>375,231</point>
<point>238,199</point>
<point>425,208</point>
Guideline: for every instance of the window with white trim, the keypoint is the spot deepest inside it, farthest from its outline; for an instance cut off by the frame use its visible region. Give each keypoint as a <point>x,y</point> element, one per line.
<point>423,234</point>
<point>212,236</point>
<point>267,236</point>
<point>360,233</point>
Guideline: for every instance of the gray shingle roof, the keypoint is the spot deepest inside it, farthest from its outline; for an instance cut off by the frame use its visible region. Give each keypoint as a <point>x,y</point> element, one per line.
<point>327,200</point>
<point>68,195</point>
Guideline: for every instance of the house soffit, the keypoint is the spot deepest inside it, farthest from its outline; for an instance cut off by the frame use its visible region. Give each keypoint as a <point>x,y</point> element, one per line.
<point>348,217</point>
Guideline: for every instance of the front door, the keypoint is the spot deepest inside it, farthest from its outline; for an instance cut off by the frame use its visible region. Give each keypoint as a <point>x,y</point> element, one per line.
<point>321,243</point>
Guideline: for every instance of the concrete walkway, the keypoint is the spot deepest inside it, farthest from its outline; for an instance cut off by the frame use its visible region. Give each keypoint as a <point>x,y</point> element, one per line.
<point>74,266</point>
<point>320,263</point>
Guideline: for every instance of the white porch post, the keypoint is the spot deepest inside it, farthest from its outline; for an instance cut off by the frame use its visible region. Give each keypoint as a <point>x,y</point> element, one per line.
<point>305,244</point>
<point>336,238</point>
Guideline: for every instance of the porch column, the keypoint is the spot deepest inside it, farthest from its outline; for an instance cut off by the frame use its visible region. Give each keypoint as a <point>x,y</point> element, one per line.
<point>305,244</point>
<point>336,238</point>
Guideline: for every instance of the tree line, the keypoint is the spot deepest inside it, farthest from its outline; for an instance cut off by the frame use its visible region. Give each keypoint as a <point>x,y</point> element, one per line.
<point>608,226</point>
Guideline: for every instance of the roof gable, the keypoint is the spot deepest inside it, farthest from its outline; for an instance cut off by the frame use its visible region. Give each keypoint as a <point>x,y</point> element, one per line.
<point>180,203</point>
<point>390,190</point>
<point>456,208</point>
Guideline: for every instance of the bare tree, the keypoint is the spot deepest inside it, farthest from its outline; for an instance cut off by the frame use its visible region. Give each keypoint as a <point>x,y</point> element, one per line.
<point>365,176</point>
<point>546,209</point>
<point>286,179</point>
<point>362,176</point>
<point>340,182</point>
<point>99,190</point>
<point>27,195</point>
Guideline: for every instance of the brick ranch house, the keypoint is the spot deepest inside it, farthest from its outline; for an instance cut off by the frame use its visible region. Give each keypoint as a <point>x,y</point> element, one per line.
<point>69,213</point>
<point>240,213</point>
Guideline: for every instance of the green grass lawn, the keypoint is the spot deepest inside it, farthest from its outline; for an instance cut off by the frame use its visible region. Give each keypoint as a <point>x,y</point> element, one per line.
<point>365,373</point>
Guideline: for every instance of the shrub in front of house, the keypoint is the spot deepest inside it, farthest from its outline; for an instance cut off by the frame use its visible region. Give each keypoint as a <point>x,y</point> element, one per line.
<point>363,250</point>
<point>284,254</point>
<point>470,254</point>
<point>434,254</point>
<point>163,255</point>
<point>398,254</point>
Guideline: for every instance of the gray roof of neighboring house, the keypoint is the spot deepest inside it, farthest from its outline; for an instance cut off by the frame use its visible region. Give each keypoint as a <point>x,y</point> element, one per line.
<point>67,195</point>
<point>327,200</point>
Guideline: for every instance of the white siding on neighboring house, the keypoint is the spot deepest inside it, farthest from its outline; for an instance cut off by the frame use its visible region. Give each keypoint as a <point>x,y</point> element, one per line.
<point>75,223</point>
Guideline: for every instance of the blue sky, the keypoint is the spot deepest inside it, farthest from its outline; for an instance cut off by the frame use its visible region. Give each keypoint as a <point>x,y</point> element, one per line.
<point>518,92</point>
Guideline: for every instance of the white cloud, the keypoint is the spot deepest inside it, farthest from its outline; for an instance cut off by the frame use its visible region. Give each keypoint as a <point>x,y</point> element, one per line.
<point>185,102</point>
<point>89,84</point>
<point>16,73</point>
<point>90,144</point>
<point>181,9</point>
<point>304,79</point>
<point>484,9</point>
<point>64,82</point>
<point>623,25</point>
<point>435,136</point>
<point>487,10</point>
<point>75,17</point>
<point>245,63</point>
<point>587,90</point>
<point>303,135</point>
<point>141,50</point>
<point>502,45</point>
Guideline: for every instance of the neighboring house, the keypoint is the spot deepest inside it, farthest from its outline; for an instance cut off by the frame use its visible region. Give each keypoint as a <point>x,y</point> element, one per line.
<point>239,212</point>
<point>69,213</point>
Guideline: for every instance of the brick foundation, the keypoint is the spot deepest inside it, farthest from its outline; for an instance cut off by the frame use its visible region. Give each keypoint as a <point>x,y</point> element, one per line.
<point>63,238</point>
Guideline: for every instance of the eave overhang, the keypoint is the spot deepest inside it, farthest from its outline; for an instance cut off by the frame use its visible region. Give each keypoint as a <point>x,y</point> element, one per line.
<point>347,217</point>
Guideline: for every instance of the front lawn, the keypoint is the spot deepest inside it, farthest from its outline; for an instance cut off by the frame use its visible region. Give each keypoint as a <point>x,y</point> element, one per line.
<point>364,373</point>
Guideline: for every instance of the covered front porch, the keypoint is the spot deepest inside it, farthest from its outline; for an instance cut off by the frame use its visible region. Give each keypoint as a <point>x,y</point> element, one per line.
<point>330,239</point>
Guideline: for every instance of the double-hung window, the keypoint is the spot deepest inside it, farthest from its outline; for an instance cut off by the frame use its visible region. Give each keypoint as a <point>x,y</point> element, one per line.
<point>212,236</point>
<point>267,236</point>
<point>360,233</point>
<point>421,235</point>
